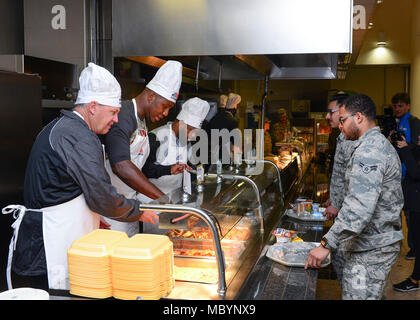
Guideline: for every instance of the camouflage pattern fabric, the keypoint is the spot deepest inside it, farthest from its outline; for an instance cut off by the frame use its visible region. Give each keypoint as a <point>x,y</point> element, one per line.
<point>342,156</point>
<point>338,260</point>
<point>343,153</point>
<point>370,215</point>
<point>366,273</point>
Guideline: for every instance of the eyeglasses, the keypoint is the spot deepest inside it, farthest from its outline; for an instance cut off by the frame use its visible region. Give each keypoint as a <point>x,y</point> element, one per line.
<point>341,119</point>
<point>331,111</point>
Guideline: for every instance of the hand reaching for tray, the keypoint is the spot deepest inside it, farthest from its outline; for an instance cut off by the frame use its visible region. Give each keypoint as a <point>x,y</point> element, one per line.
<point>316,256</point>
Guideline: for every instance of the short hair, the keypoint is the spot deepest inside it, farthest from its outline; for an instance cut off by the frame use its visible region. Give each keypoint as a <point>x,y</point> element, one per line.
<point>361,103</point>
<point>401,97</point>
<point>340,98</point>
<point>81,105</point>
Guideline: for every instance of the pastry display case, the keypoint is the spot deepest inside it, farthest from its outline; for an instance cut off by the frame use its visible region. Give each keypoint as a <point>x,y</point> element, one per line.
<point>323,130</point>
<point>304,130</point>
<point>299,146</point>
<point>220,228</point>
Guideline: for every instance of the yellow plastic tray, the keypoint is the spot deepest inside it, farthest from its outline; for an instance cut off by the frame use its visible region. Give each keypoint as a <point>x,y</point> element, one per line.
<point>96,244</point>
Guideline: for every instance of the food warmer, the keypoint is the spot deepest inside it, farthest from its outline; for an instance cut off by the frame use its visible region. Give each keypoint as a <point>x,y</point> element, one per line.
<point>219,230</point>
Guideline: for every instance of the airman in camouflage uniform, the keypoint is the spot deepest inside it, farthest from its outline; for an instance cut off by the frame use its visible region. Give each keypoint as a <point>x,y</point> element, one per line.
<point>369,221</point>
<point>342,156</point>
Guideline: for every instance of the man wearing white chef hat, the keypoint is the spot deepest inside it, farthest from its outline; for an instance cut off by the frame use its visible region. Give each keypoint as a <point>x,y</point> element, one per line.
<point>168,148</point>
<point>66,186</point>
<point>127,144</point>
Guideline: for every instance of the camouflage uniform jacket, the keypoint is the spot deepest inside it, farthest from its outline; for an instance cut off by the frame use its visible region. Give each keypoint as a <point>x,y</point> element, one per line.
<point>370,215</point>
<point>342,156</point>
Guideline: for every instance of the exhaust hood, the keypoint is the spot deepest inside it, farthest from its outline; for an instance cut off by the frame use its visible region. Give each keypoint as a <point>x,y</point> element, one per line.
<point>238,39</point>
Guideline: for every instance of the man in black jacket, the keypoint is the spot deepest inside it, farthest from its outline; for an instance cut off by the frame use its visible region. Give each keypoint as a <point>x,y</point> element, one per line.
<point>410,127</point>
<point>66,189</point>
<point>224,119</point>
<point>410,156</point>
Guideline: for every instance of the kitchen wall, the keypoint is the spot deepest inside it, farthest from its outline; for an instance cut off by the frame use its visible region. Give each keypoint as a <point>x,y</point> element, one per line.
<point>378,82</point>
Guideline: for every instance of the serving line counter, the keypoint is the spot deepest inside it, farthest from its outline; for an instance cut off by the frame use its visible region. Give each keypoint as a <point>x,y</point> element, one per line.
<point>220,233</point>
<point>219,230</point>
<point>270,280</point>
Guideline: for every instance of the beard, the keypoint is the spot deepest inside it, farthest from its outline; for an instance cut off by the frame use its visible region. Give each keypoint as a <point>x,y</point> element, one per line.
<point>332,124</point>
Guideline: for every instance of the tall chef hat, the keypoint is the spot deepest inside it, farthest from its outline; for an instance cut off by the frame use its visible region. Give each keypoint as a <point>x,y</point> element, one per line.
<point>194,111</point>
<point>167,80</point>
<point>233,100</point>
<point>98,84</point>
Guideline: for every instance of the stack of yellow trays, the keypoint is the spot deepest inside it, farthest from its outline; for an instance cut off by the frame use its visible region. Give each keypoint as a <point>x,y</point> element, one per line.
<point>89,263</point>
<point>142,268</point>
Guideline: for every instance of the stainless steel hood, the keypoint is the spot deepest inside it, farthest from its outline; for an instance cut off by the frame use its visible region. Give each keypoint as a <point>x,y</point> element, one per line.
<point>237,39</point>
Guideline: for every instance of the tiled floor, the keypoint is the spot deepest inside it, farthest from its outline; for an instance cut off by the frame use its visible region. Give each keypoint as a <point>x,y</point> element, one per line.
<point>329,289</point>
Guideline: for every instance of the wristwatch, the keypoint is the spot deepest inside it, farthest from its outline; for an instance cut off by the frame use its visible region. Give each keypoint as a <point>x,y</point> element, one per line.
<point>324,243</point>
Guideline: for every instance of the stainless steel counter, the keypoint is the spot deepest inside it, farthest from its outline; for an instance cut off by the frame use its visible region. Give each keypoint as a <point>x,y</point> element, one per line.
<point>270,280</point>
<point>260,278</point>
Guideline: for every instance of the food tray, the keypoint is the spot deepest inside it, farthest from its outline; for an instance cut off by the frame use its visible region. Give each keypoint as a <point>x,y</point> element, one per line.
<point>196,275</point>
<point>305,217</point>
<point>294,254</point>
<point>197,248</point>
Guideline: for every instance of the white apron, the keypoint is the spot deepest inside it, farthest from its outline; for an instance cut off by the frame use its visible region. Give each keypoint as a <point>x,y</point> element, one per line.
<point>61,225</point>
<point>139,151</point>
<point>168,154</point>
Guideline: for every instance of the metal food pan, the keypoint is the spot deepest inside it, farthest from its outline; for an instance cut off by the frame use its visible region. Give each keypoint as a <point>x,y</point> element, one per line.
<point>190,262</point>
<point>231,248</point>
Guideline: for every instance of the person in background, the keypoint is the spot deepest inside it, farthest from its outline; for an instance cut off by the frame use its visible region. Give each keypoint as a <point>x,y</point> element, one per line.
<point>340,158</point>
<point>127,144</point>
<point>332,117</point>
<point>268,143</point>
<point>410,157</point>
<point>339,152</point>
<point>222,101</point>
<point>224,119</point>
<point>66,187</point>
<point>169,154</point>
<point>369,221</point>
<point>409,126</point>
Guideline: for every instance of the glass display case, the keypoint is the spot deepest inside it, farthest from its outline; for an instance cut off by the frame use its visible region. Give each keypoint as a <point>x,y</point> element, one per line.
<point>323,130</point>
<point>304,131</point>
<point>298,145</point>
<point>219,228</point>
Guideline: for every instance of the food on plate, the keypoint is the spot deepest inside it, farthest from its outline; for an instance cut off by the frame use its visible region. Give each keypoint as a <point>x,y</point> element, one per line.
<point>285,236</point>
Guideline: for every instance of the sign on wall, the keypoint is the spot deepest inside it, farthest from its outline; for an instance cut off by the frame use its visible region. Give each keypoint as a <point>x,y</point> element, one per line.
<point>55,30</point>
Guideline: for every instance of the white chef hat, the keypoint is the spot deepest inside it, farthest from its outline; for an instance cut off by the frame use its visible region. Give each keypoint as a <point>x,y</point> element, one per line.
<point>167,80</point>
<point>233,100</point>
<point>98,84</point>
<point>194,111</point>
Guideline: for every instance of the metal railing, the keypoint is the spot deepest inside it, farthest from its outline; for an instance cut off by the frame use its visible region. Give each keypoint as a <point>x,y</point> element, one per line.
<point>202,214</point>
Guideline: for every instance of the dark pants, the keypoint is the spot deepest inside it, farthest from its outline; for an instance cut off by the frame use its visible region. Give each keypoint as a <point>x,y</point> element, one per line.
<point>410,241</point>
<point>36,282</point>
<point>415,231</point>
